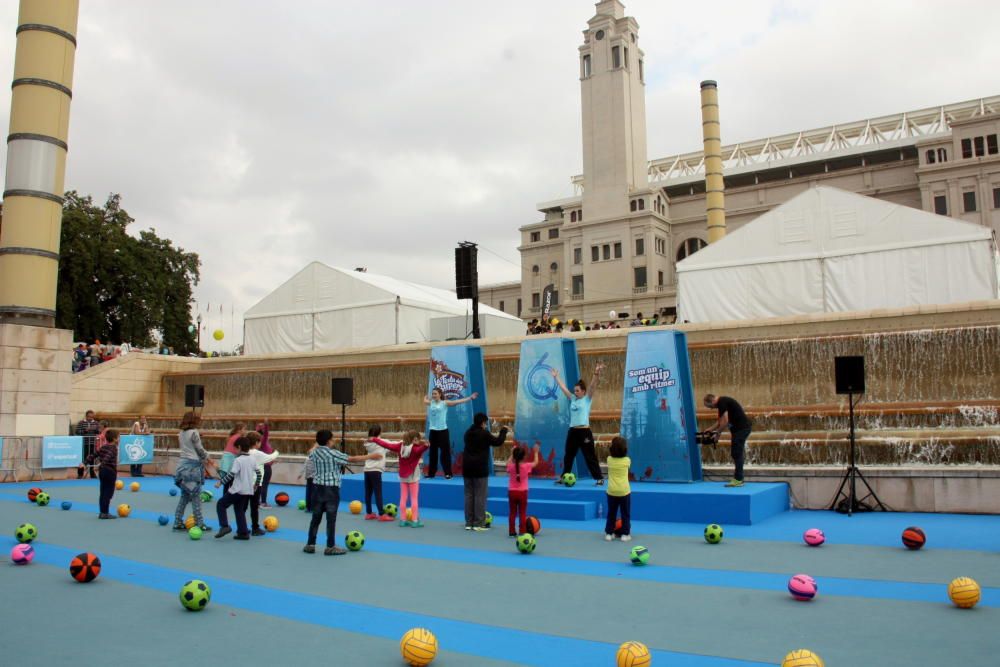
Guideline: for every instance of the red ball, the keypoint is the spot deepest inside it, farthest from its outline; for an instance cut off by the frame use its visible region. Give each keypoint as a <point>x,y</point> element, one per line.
<point>914,538</point>
<point>281,499</point>
<point>85,567</point>
<point>33,493</point>
<point>533,525</point>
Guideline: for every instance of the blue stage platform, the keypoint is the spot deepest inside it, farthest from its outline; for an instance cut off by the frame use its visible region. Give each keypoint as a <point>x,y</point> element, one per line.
<point>698,502</point>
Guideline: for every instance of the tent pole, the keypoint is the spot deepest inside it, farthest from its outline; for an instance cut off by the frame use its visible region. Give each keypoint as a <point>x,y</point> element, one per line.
<point>397,320</point>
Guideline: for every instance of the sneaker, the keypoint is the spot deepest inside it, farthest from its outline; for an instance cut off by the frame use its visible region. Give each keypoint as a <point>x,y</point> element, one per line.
<point>448,476</point>
<point>309,549</point>
<point>225,530</point>
<point>179,526</point>
<point>626,538</point>
<point>608,537</point>
<point>106,516</point>
<point>480,529</point>
<point>734,482</point>
<point>468,527</point>
<point>599,482</point>
<point>417,524</point>
<point>559,481</point>
<point>257,532</point>
<point>240,536</point>
<point>385,517</point>
<point>371,517</point>
<point>265,506</point>
<point>334,551</point>
<point>404,523</point>
<point>206,529</point>
<point>511,534</point>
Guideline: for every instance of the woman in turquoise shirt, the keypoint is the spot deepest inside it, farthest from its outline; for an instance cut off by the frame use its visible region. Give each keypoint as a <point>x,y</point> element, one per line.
<point>579,437</point>
<point>437,426</point>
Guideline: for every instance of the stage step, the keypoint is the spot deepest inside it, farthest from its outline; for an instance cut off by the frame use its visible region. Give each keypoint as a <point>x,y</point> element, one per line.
<point>572,510</point>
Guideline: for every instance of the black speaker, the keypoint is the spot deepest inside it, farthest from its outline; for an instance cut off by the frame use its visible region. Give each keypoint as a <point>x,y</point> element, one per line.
<point>466,273</point>
<point>342,392</point>
<point>849,373</point>
<point>194,395</point>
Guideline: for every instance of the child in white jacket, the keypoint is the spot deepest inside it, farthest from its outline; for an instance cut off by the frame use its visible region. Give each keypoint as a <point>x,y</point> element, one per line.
<point>373,476</point>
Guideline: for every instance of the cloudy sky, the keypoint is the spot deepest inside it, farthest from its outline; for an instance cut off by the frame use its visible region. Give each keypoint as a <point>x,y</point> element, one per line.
<point>263,135</point>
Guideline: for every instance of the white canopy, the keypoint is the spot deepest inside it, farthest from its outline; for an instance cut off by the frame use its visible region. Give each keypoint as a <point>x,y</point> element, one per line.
<point>327,308</point>
<point>827,250</point>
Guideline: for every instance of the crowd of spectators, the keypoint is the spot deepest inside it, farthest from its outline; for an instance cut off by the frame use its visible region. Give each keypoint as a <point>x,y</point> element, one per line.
<point>554,325</point>
<point>86,356</point>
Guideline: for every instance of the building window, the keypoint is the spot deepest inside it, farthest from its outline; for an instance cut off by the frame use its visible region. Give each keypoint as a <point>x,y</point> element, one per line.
<point>642,78</point>
<point>661,246</point>
<point>640,276</point>
<point>626,56</point>
<point>690,247</point>
<point>579,216</point>
<point>941,205</point>
<point>618,250</point>
<point>930,156</point>
<point>595,253</point>
<point>659,278</point>
<point>606,251</point>
<point>555,297</point>
<point>536,300</point>
<point>536,237</point>
<point>616,57</point>
<point>633,206</point>
<point>553,267</point>
<point>996,197</point>
<point>586,66</point>
<point>577,285</point>
<point>578,255</point>
<point>640,247</point>
<point>966,148</point>
<point>554,233</point>
<point>942,155</point>
<point>534,269</point>
<point>572,216</point>
<point>980,146</point>
<point>501,308</point>
<point>519,307</point>
<point>991,144</point>
<point>969,201</point>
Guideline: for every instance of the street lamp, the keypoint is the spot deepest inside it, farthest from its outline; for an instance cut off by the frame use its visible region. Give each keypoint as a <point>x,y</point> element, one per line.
<point>198,320</point>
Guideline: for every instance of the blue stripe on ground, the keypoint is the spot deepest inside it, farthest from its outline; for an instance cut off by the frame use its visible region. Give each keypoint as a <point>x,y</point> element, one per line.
<point>488,641</point>
<point>689,576</point>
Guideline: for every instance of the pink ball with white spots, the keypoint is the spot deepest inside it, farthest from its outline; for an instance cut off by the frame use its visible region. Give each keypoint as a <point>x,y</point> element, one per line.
<point>814,537</point>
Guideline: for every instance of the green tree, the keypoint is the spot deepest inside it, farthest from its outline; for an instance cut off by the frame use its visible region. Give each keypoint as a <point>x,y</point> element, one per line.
<point>115,287</point>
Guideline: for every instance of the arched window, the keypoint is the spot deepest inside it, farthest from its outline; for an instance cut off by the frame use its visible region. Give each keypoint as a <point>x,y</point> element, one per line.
<point>534,269</point>
<point>572,216</point>
<point>930,156</point>
<point>632,206</point>
<point>553,267</point>
<point>690,247</point>
<point>642,204</point>
<point>942,155</point>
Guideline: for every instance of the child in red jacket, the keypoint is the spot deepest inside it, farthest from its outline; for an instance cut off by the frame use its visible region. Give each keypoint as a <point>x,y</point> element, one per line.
<point>410,451</point>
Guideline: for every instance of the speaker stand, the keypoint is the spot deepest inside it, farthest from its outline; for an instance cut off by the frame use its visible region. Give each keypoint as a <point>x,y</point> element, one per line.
<point>847,499</point>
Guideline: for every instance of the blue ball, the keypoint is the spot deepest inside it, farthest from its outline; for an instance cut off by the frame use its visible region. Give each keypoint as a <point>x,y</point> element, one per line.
<point>66,504</point>
<point>173,492</point>
<point>164,519</point>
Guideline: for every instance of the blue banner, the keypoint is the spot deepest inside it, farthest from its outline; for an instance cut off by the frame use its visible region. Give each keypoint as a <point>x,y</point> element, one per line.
<point>658,416</point>
<point>542,410</point>
<point>135,449</point>
<point>62,451</point>
<point>458,371</point>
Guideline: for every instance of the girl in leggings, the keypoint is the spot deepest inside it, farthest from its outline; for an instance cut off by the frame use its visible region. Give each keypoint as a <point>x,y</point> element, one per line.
<point>579,437</point>
<point>437,426</point>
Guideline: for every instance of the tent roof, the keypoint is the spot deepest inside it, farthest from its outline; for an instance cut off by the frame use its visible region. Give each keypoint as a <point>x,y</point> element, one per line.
<point>827,222</point>
<point>319,288</point>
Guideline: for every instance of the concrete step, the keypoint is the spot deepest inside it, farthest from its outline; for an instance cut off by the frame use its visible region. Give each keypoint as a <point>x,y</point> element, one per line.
<point>572,510</point>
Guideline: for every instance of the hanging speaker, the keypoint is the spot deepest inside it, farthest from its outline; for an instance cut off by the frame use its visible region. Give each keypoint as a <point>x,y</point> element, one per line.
<point>342,391</point>
<point>849,374</point>
<point>194,395</point>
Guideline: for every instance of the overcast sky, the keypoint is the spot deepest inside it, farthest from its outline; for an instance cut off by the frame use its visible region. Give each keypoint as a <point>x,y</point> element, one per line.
<point>264,135</point>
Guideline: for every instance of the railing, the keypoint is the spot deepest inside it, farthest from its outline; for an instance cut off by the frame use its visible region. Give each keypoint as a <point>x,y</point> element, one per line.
<point>576,297</point>
<point>11,457</point>
<point>639,290</point>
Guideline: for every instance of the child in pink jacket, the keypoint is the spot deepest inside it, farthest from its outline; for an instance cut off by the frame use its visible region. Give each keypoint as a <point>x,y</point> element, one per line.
<point>411,451</point>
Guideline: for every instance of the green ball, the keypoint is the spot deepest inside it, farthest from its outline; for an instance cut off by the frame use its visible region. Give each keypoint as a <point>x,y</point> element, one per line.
<point>391,510</point>
<point>195,595</point>
<point>526,543</point>
<point>42,499</point>
<point>639,555</point>
<point>194,533</point>
<point>207,496</point>
<point>713,533</point>
<point>302,504</point>
<point>25,533</point>
<point>489,520</point>
<point>568,479</point>
<point>355,540</point>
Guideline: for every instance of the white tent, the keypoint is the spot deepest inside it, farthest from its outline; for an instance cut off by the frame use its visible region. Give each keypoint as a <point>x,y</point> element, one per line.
<point>327,308</point>
<point>827,250</point>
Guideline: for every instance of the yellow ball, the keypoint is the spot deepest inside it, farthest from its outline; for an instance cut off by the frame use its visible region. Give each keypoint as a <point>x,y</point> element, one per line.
<point>133,487</point>
<point>271,524</point>
<point>119,485</point>
<point>964,592</point>
<point>218,334</point>
<point>419,647</point>
<point>189,522</point>
<point>355,507</point>
<point>633,654</point>
<point>409,514</point>
<point>802,658</point>
<point>123,510</point>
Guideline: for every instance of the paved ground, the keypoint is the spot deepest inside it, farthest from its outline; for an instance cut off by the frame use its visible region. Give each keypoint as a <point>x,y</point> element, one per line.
<point>571,603</point>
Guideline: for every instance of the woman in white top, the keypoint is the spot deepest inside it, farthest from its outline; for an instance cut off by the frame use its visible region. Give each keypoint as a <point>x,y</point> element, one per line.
<point>437,427</point>
<point>141,427</point>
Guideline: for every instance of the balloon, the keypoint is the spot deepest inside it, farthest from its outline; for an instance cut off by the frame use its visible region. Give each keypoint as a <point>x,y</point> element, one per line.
<point>190,328</point>
<point>218,334</point>
<point>612,314</point>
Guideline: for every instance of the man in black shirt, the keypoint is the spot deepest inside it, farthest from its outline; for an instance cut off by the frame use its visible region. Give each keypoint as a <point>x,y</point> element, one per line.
<point>89,428</point>
<point>731,414</point>
<point>477,461</point>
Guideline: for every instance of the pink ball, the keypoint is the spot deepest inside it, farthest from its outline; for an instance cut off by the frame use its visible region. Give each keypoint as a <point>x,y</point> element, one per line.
<point>802,587</point>
<point>22,554</point>
<point>814,537</point>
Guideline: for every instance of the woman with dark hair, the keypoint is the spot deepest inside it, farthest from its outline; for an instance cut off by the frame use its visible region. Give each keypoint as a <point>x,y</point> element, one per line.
<point>437,427</point>
<point>580,437</point>
<point>477,462</point>
<point>190,473</point>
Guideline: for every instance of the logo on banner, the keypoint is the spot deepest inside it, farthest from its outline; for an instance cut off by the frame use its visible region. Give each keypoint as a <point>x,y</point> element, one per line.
<point>652,377</point>
<point>136,450</point>
<point>451,383</point>
<point>547,302</point>
<point>539,381</point>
